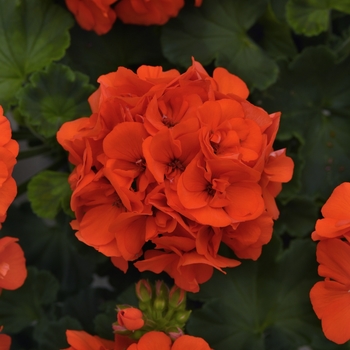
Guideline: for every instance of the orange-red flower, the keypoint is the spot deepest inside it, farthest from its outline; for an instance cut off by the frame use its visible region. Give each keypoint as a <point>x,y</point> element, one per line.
<point>181,160</point>
<point>80,340</point>
<point>13,270</point>
<point>154,340</point>
<point>96,15</point>
<point>146,12</point>
<point>331,298</point>
<point>130,318</point>
<point>160,341</point>
<point>8,153</point>
<point>5,342</point>
<point>336,213</point>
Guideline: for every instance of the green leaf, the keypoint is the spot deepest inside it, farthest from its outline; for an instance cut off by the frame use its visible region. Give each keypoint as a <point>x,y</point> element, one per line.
<point>217,31</point>
<point>298,217</point>
<point>124,45</point>
<point>49,192</point>
<point>53,247</point>
<point>262,303</point>
<point>84,306</point>
<point>33,33</point>
<point>312,94</point>
<point>52,335</point>
<point>23,307</point>
<point>103,321</point>
<point>311,17</point>
<point>277,39</point>
<point>54,96</point>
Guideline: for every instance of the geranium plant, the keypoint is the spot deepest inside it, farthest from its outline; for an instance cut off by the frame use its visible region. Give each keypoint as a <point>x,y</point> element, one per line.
<point>170,161</point>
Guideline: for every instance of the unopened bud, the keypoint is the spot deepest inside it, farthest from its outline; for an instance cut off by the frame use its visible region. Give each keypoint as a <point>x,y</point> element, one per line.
<point>176,333</point>
<point>182,316</point>
<point>143,291</point>
<point>162,290</point>
<point>177,297</point>
<point>130,318</point>
<point>159,304</point>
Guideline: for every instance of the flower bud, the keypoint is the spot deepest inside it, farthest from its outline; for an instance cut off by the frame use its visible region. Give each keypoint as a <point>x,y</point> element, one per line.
<point>130,318</point>
<point>144,291</point>
<point>176,333</point>
<point>182,316</point>
<point>162,290</point>
<point>177,297</point>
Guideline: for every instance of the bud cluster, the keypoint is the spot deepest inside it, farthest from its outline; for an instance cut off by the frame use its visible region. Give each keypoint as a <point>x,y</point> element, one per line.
<point>159,309</point>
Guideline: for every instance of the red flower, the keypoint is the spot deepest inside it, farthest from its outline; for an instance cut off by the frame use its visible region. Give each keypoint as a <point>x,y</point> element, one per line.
<point>160,341</point>
<point>5,342</point>
<point>80,340</point>
<point>154,340</point>
<point>8,153</point>
<point>336,213</point>
<point>13,270</point>
<point>147,12</point>
<point>181,160</point>
<point>96,15</point>
<point>331,298</point>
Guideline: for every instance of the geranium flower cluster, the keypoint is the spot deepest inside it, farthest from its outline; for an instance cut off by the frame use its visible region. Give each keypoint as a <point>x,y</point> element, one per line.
<point>180,160</point>
<point>331,298</point>
<point>98,15</point>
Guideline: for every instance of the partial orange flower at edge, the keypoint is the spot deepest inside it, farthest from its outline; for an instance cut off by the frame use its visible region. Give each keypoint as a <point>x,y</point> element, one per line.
<point>331,298</point>
<point>96,15</point>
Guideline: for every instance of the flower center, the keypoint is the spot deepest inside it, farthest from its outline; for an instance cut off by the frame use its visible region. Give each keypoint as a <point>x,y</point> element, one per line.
<point>167,122</point>
<point>176,164</point>
<point>210,190</point>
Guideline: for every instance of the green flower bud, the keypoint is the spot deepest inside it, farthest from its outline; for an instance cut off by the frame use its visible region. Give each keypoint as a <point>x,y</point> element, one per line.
<point>143,291</point>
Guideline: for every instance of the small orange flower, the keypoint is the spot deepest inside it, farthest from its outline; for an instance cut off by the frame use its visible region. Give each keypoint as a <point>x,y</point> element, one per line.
<point>147,12</point>
<point>13,270</point>
<point>331,298</point>
<point>336,213</point>
<point>8,153</point>
<point>96,15</point>
<point>130,318</point>
<point>160,341</point>
<point>5,342</point>
<point>80,340</point>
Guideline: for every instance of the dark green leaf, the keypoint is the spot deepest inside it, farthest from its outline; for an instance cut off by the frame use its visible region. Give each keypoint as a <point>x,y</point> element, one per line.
<point>277,39</point>
<point>54,96</point>
<point>217,31</point>
<point>23,307</point>
<point>298,217</point>
<point>53,247</point>
<point>32,34</point>
<point>84,306</point>
<point>52,335</point>
<point>262,303</point>
<point>124,45</point>
<point>312,94</point>
<point>311,17</point>
<point>49,192</point>
<point>103,321</point>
